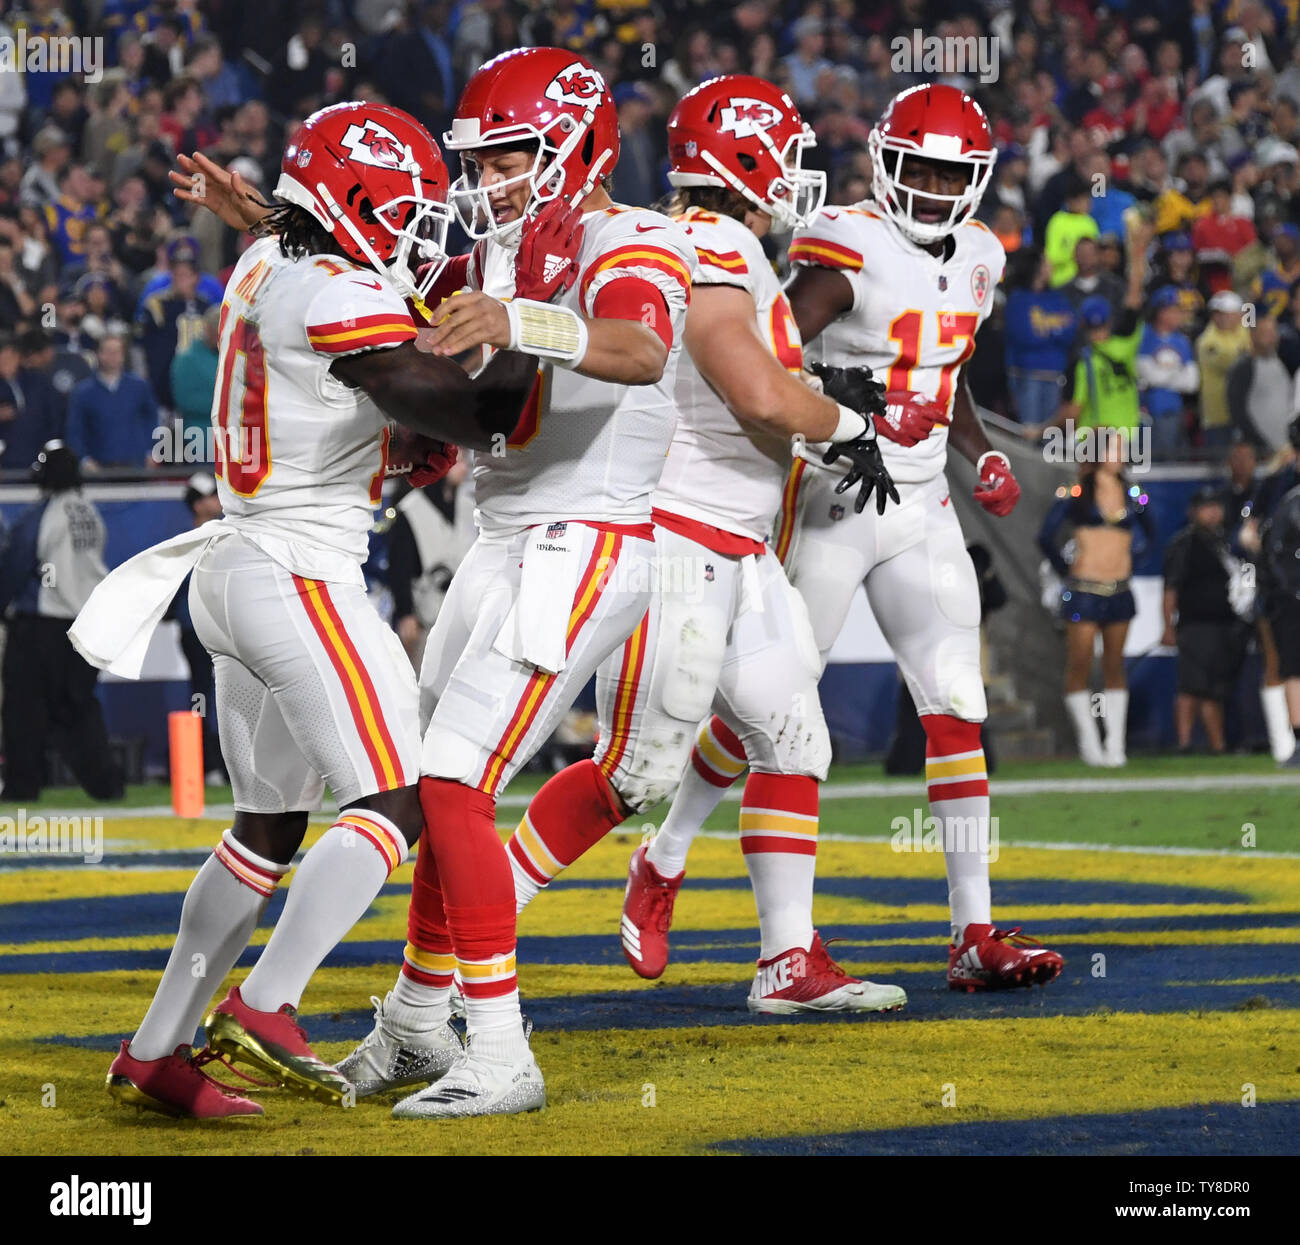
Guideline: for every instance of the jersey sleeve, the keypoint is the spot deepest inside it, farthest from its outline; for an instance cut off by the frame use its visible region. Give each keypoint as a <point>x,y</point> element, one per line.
<point>642,246</point>
<point>353,311</point>
<point>833,240</point>
<point>723,257</point>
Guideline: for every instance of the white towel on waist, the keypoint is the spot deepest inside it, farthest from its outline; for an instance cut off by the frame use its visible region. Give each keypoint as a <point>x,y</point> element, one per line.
<point>115,625</point>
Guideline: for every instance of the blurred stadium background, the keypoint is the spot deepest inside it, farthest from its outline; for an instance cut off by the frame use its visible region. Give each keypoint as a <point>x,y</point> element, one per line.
<point>1187,113</point>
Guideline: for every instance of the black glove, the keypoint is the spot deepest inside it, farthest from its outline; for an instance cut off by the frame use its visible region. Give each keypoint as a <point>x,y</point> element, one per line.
<point>853,387</point>
<point>868,468</point>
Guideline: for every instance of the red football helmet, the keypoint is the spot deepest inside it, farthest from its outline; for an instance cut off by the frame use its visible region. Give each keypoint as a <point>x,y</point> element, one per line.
<point>373,177</point>
<point>547,96</point>
<point>935,122</point>
<point>744,133</point>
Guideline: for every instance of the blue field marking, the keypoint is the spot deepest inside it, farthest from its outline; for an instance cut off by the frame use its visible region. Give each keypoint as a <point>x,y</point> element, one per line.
<point>1200,1131</point>
<point>158,912</point>
<point>1145,979</point>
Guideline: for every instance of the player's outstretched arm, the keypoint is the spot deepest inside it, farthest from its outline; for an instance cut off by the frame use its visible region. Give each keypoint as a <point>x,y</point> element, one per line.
<point>997,490</point>
<point>205,183</point>
<point>724,343</point>
<point>436,397</point>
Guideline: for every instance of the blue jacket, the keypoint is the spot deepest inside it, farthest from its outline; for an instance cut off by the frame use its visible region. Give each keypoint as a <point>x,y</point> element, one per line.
<point>113,426</point>
<point>20,581</point>
<point>36,417</point>
<point>1040,330</point>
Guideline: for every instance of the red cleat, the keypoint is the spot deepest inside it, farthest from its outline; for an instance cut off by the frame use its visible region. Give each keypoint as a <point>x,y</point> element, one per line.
<point>175,1085</point>
<point>647,915</point>
<point>1000,959</point>
<point>810,981</point>
<point>274,1043</point>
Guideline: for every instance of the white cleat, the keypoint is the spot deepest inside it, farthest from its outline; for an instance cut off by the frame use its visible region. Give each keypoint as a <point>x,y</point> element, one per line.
<point>481,1084</point>
<point>386,1061</point>
<point>810,981</point>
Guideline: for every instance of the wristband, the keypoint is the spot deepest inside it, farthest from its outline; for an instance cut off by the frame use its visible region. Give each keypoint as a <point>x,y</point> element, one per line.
<point>1006,462</point>
<point>852,425</point>
<point>556,333</point>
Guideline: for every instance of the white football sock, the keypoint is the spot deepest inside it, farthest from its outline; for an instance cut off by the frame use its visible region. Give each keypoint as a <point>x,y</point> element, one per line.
<point>335,884</point>
<point>1115,701</point>
<point>778,835</point>
<point>714,767</point>
<point>221,910</point>
<point>1277,718</point>
<point>1079,707</point>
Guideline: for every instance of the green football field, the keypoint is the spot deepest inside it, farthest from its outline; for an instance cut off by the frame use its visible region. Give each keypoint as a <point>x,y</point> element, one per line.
<point>1172,889</point>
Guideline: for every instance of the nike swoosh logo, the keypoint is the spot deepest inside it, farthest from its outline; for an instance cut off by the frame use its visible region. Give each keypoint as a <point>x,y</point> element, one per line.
<point>945,501</point>
<point>370,285</point>
<point>647,228</point>
<point>830,215</point>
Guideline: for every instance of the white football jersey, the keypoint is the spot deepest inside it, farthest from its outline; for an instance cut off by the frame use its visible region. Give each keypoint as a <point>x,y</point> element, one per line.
<point>583,448</point>
<point>301,455</point>
<point>716,471</point>
<point>914,315</point>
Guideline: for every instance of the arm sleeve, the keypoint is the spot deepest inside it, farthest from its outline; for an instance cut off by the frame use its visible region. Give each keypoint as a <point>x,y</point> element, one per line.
<point>348,315</point>
<point>1049,537</point>
<point>831,241</point>
<point>665,263</point>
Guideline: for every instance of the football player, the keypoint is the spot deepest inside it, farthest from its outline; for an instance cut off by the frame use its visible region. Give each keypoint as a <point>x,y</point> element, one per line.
<point>724,628</point>
<point>901,285</point>
<point>561,572</point>
<point>317,354</point>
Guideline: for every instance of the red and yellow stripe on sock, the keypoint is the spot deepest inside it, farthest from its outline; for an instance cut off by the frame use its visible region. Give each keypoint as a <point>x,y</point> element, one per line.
<point>528,849</point>
<point>956,776</point>
<point>428,968</point>
<point>487,979</point>
<point>718,756</point>
<point>778,813</point>
<point>379,832</point>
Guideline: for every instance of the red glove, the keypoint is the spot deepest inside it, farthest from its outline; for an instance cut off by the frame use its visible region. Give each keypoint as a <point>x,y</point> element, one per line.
<point>440,460</point>
<point>418,458</point>
<point>547,262</point>
<point>997,490</point>
<point>909,417</point>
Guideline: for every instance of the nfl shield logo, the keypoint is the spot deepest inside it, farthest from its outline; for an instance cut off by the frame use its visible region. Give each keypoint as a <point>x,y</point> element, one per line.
<point>943,283</point>
<point>692,148</point>
<point>708,572</point>
<point>556,530</point>
<point>304,159</point>
<point>837,513</point>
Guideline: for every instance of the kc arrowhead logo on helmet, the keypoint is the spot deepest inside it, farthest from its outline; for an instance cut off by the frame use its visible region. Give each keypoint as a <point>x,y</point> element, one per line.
<point>371,143</point>
<point>577,84</point>
<point>743,117</point>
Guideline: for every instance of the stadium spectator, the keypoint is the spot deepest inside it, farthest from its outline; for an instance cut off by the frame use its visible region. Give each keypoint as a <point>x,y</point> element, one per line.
<point>112,414</point>
<point>170,316</point>
<point>109,128</point>
<point>1092,279</point>
<point>1260,390</point>
<point>40,184</point>
<point>1040,329</point>
<point>1066,229</point>
<point>1224,340</point>
<point>1167,373</point>
<point>54,559</point>
<point>805,64</point>
<point>79,203</point>
<point>194,379</point>
<point>28,402</point>
<point>16,301</point>
<point>1103,385</point>
<point>637,180</point>
<point>1218,236</point>
<point>1201,621</point>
